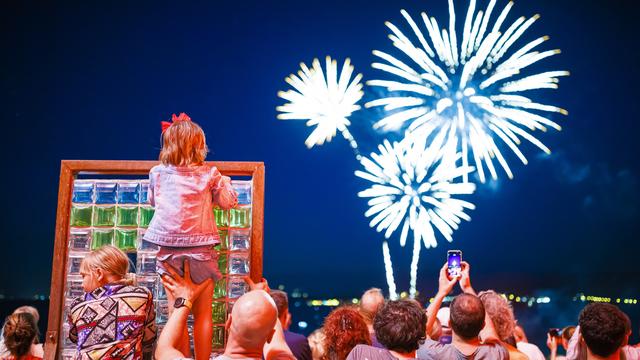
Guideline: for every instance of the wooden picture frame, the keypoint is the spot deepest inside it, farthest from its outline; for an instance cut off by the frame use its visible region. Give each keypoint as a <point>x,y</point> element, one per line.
<point>70,169</point>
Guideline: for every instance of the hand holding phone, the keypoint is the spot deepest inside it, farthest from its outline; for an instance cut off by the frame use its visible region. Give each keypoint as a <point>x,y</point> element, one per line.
<point>454,264</point>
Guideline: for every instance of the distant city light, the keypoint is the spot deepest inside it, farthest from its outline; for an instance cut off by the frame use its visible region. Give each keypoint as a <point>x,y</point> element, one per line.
<point>302,324</point>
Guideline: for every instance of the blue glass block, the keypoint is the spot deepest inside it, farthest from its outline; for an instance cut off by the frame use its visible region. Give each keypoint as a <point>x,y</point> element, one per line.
<point>144,192</point>
<point>82,192</point>
<point>238,264</point>
<point>106,192</point>
<point>128,192</point>
<point>243,188</point>
<point>237,287</point>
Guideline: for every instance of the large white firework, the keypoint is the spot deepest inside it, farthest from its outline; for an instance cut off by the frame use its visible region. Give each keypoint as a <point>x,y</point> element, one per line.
<point>326,102</point>
<point>414,186</point>
<point>473,88</point>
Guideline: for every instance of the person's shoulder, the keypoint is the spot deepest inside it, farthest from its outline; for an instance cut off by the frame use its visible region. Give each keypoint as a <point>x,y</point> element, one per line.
<point>363,351</point>
<point>290,335</point>
<point>495,349</point>
<point>158,168</point>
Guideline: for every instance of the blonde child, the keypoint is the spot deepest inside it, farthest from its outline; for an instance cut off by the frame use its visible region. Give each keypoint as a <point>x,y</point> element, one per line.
<point>183,190</point>
<point>113,318</point>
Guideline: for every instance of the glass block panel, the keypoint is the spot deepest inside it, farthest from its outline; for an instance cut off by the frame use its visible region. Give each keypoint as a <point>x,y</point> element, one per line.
<point>66,342</point>
<point>74,286</point>
<point>148,281</point>
<point>105,192</point>
<point>162,311</point>
<point>102,237</point>
<point>80,239</point>
<point>128,192</point>
<point>220,290</point>
<point>243,188</point>
<point>146,214</point>
<point>219,312</point>
<point>144,245</point>
<point>221,217</point>
<point>126,239</point>
<point>237,287</point>
<point>218,337</point>
<point>144,192</point>
<point>222,263</point>
<point>240,217</point>
<point>104,215</point>
<point>81,215</point>
<point>127,216</point>
<point>146,263</point>
<point>224,240</point>
<point>82,192</point>
<point>239,239</point>
<point>161,294</point>
<point>74,261</point>
<point>238,264</point>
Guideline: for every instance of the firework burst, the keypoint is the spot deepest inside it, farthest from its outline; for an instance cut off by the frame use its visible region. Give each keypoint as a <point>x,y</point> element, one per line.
<point>325,100</point>
<point>470,91</point>
<point>414,187</point>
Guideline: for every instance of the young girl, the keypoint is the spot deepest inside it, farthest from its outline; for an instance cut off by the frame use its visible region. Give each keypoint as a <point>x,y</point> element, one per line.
<point>183,189</point>
<point>113,319</point>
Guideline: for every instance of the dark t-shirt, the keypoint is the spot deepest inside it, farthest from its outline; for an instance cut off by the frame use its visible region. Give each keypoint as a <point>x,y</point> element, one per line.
<point>366,352</point>
<point>434,350</point>
<point>298,344</point>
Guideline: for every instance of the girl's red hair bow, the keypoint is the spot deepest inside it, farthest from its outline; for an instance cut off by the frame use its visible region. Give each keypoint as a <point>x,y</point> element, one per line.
<point>174,119</point>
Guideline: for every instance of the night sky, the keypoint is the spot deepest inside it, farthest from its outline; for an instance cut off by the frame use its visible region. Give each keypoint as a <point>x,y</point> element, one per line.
<point>88,81</point>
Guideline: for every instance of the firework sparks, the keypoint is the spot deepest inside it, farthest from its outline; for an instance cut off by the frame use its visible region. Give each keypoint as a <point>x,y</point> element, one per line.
<point>472,91</point>
<point>413,186</point>
<point>325,100</point>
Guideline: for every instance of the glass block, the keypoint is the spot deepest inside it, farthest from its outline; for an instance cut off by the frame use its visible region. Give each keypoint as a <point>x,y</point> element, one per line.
<point>240,217</point>
<point>239,239</point>
<point>66,342</point>
<point>81,215</point>
<point>126,239</point>
<point>243,188</point>
<point>128,192</point>
<point>162,311</point>
<point>127,216</point>
<point>238,264</point>
<point>82,192</point>
<point>146,263</point>
<point>148,281</point>
<point>68,354</point>
<point>219,312</point>
<point>73,263</point>
<point>74,286</point>
<point>80,239</point>
<point>222,263</point>
<point>224,240</point>
<point>101,237</point>
<point>161,294</point>
<point>237,287</point>
<point>144,192</point>
<point>105,192</point>
<point>104,216</point>
<point>144,245</point>
<point>146,214</point>
<point>221,217</point>
<point>220,290</point>
<point>218,337</point>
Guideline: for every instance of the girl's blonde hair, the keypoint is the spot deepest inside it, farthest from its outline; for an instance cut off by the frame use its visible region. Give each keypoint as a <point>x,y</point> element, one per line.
<point>183,143</point>
<point>109,259</point>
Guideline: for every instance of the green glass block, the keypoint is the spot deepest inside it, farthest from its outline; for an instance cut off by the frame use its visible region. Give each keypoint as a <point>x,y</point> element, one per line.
<point>220,290</point>
<point>221,217</point>
<point>222,263</point>
<point>127,216</point>
<point>224,239</point>
<point>81,215</point>
<point>240,217</point>
<point>146,214</point>
<point>218,337</point>
<point>219,312</point>
<point>101,238</point>
<point>104,216</point>
<point>126,239</point>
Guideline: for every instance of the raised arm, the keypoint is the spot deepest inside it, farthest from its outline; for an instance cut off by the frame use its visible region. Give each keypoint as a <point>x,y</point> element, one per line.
<point>444,288</point>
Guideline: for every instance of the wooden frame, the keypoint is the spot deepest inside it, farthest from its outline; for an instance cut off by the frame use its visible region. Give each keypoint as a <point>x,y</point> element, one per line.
<point>69,169</point>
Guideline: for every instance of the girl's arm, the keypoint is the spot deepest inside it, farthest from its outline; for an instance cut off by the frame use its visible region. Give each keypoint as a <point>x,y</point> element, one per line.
<point>152,183</point>
<point>223,193</point>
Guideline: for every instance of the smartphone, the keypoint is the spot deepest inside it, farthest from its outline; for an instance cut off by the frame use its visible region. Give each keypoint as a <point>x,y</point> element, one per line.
<point>554,332</point>
<point>454,263</point>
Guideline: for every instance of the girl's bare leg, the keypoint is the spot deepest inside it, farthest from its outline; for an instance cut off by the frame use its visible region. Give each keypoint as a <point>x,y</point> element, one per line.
<point>203,324</point>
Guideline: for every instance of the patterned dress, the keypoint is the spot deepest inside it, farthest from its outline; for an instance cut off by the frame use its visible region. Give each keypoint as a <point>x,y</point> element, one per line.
<point>114,321</point>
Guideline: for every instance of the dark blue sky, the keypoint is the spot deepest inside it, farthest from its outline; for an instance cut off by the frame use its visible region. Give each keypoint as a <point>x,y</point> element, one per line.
<point>87,81</point>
